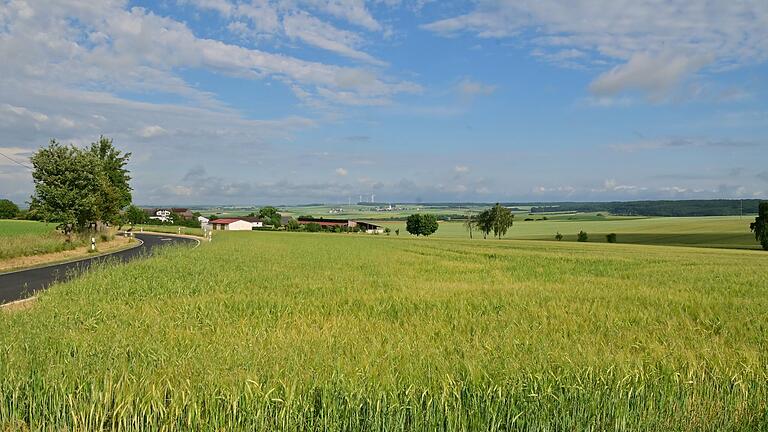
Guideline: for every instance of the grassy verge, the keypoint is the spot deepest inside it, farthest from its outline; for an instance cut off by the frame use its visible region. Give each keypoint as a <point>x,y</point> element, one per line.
<point>270,331</point>
<point>21,262</point>
<point>27,238</point>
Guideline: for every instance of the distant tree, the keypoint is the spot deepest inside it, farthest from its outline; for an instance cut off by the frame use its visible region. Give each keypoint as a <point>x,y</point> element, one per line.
<point>558,236</point>
<point>293,225</point>
<point>611,238</point>
<point>421,224</point>
<point>582,236</point>
<point>484,222</point>
<point>502,220</point>
<point>497,219</point>
<point>387,230</point>
<point>469,224</point>
<point>8,210</point>
<point>135,215</point>
<point>313,227</point>
<point>397,231</point>
<point>760,225</point>
<point>270,215</point>
<point>212,217</point>
<point>251,214</point>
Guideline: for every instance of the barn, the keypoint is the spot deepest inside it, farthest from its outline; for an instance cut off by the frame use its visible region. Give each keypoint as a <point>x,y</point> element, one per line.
<point>367,227</point>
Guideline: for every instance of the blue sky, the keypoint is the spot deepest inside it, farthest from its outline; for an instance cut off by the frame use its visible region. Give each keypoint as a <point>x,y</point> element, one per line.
<point>293,101</point>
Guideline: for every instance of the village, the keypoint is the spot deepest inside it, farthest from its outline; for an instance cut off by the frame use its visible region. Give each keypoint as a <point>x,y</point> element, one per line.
<point>253,222</point>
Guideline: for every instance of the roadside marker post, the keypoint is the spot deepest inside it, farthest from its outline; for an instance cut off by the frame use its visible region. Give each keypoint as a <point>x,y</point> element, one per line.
<point>93,244</point>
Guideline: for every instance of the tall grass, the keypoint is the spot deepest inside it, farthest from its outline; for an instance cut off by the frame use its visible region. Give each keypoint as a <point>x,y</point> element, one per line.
<point>270,331</point>
<point>27,238</point>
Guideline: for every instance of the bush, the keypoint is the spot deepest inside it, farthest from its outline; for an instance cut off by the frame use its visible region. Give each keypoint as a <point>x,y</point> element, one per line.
<point>8,210</point>
<point>582,237</point>
<point>313,227</point>
<point>293,225</point>
<point>421,224</point>
<point>558,236</point>
<point>611,238</point>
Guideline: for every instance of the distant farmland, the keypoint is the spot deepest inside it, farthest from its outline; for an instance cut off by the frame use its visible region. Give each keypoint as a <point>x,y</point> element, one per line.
<point>720,231</point>
<point>294,331</point>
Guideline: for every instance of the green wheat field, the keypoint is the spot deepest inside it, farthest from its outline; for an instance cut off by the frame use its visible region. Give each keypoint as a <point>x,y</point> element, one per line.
<point>335,332</point>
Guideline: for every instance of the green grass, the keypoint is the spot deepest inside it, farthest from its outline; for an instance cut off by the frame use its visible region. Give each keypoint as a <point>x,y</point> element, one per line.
<point>13,228</point>
<point>294,331</point>
<point>719,231</point>
<point>26,238</point>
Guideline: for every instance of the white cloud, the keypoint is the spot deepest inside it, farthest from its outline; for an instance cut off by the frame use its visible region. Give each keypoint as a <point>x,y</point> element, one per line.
<point>353,11</point>
<point>683,142</point>
<point>636,35</point>
<point>470,88</point>
<point>656,75</point>
<point>461,169</point>
<point>137,50</point>
<point>341,172</point>
<point>325,36</point>
<point>152,131</point>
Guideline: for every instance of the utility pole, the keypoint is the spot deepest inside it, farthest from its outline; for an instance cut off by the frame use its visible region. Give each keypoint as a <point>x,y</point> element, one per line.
<point>741,204</point>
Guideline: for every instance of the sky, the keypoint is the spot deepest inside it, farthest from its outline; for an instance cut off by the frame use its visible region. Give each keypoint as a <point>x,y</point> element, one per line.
<point>251,102</point>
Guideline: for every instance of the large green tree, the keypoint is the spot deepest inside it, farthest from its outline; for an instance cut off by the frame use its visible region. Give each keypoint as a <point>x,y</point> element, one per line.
<point>114,179</point>
<point>8,210</point>
<point>421,224</point>
<point>760,225</point>
<point>270,215</point>
<point>135,215</point>
<point>79,187</point>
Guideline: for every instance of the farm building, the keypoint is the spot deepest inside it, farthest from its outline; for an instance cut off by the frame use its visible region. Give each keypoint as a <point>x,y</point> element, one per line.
<point>236,224</point>
<point>368,227</point>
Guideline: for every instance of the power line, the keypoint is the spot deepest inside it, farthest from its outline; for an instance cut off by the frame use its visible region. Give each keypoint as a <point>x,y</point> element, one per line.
<point>15,161</point>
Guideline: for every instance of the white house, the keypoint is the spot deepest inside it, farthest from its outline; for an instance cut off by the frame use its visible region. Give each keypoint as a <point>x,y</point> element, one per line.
<point>236,224</point>
<point>162,215</point>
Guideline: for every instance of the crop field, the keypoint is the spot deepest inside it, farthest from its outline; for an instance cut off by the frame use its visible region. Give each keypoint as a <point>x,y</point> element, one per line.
<point>298,331</point>
<point>719,231</point>
<point>25,238</point>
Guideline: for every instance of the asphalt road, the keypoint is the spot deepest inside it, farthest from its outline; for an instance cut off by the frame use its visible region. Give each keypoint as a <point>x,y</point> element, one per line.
<point>21,284</point>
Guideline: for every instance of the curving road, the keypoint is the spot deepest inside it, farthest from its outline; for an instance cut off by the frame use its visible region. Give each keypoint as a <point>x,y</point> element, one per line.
<point>21,284</point>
